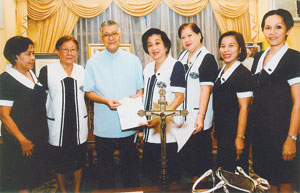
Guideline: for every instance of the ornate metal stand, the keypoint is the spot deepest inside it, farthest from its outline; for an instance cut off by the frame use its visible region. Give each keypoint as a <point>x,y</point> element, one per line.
<point>163,113</point>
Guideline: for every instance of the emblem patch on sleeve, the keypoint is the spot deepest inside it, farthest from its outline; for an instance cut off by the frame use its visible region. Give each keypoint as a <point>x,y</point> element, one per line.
<point>194,75</point>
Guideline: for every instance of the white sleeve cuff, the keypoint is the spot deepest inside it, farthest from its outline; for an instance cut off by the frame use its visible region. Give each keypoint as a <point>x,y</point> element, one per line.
<point>177,89</point>
<point>85,89</point>
<point>207,83</point>
<point>244,94</point>
<point>6,103</point>
<point>294,81</point>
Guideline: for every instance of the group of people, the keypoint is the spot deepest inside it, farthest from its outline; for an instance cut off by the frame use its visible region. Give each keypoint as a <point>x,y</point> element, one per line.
<point>236,106</point>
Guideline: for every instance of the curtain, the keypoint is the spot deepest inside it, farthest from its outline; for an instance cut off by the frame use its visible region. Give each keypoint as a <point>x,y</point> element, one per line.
<point>187,8</point>
<point>138,8</point>
<point>46,32</point>
<point>229,15</point>
<point>132,28</point>
<point>233,15</point>
<point>41,9</point>
<point>87,9</point>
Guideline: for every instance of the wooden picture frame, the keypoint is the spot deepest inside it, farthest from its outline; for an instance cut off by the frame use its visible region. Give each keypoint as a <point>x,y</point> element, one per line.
<point>93,48</point>
<point>42,59</point>
<point>291,5</point>
<point>254,47</point>
<point>259,45</point>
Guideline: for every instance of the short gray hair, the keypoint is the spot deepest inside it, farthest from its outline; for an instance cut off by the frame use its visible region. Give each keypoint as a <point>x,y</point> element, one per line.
<point>108,23</point>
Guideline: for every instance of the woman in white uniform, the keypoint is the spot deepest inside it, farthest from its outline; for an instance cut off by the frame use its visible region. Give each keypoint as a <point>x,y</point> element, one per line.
<point>66,112</point>
<point>164,72</point>
<point>201,73</point>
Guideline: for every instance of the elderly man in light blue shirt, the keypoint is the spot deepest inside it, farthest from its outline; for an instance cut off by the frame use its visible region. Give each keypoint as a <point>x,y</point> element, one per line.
<point>111,75</point>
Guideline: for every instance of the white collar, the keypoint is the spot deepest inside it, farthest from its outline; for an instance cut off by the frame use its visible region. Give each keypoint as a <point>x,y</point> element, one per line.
<point>228,72</point>
<point>21,78</point>
<point>201,51</point>
<point>272,64</point>
<point>194,57</point>
<point>64,73</point>
<point>169,60</point>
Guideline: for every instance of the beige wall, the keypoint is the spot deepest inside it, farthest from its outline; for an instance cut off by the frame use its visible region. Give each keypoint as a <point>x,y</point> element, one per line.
<point>9,22</point>
<point>9,30</point>
<point>263,7</point>
<point>294,37</point>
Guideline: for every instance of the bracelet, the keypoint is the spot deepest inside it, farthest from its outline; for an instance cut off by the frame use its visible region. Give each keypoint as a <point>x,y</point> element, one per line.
<point>240,136</point>
<point>293,137</point>
<point>202,114</point>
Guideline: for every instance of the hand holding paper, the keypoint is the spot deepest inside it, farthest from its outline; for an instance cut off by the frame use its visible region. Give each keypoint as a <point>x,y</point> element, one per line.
<point>127,112</point>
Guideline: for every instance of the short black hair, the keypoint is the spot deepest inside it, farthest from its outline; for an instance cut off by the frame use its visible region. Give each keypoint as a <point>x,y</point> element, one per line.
<point>194,28</point>
<point>64,39</point>
<point>240,40</point>
<point>163,36</point>
<point>286,16</point>
<point>15,46</point>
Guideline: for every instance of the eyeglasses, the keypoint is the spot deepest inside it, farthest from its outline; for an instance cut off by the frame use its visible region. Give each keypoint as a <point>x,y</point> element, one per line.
<point>66,50</point>
<point>108,35</point>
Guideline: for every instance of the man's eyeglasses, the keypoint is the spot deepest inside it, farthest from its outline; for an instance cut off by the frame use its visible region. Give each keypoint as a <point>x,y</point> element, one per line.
<point>66,50</point>
<point>108,35</point>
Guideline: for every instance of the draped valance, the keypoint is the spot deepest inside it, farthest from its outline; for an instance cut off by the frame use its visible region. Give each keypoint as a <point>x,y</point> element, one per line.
<point>48,17</point>
<point>187,8</point>
<point>40,10</point>
<point>230,9</point>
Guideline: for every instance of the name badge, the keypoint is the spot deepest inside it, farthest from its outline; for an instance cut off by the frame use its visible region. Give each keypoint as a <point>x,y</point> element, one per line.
<point>161,84</point>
